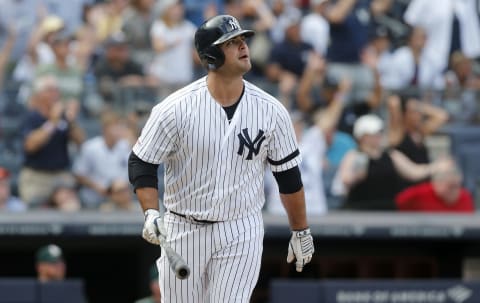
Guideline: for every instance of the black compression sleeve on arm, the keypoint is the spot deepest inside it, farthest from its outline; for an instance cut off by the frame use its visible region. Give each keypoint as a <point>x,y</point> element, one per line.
<point>289,181</point>
<point>141,173</point>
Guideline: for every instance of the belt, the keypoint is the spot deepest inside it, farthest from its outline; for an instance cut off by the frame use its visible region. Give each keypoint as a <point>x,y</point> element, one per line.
<point>193,219</point>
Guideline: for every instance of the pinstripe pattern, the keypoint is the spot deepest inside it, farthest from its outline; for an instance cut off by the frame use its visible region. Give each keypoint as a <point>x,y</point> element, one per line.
<point>224,258</point>
<point>214,170</point>
<point>204,175</point>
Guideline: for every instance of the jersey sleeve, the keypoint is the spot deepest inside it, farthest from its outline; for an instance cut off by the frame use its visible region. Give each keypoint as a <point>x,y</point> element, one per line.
<point>158,138</point>
<point>283,150</point>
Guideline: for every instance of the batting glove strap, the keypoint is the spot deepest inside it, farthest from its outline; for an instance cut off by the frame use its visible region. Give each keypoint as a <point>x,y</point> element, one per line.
<point>300,248</point>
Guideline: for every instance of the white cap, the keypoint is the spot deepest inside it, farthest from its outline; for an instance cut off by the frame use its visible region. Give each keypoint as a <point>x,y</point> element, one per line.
<point>367,125</point>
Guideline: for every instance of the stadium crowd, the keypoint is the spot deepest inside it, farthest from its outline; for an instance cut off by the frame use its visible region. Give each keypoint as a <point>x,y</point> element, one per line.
<point>369,83</point>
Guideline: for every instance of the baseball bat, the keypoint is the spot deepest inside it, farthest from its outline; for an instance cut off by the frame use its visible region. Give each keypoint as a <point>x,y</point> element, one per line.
<point>177,264</point>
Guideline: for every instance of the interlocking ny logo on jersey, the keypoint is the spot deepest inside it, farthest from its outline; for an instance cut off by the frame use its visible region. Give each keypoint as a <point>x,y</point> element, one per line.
<point>246,141</point>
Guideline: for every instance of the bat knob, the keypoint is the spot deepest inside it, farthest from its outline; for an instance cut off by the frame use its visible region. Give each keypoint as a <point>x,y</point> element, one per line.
<point>183,273</point>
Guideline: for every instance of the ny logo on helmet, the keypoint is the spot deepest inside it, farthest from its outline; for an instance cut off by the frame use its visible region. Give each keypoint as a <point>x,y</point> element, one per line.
<point>246,141</point>
<point>233,25</point>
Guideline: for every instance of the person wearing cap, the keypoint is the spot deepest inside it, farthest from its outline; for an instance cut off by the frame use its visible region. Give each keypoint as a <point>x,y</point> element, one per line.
<point>64,68</point>
<point>8,202</point>
<point>50,264</point>
<point>116,70</point>
<point>369,176</point>
<point>156,295</point>
<point>39,50</point>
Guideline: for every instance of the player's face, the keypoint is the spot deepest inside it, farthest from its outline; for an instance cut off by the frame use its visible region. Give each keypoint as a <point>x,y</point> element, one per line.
<point>237,55</point>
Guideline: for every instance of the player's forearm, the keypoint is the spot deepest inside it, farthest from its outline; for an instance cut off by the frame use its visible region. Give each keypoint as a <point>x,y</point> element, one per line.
<point>148,197</point>
<point>295,207</point>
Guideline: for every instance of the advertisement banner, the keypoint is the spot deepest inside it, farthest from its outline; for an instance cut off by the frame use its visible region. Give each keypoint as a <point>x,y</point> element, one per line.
<point>375,291</point>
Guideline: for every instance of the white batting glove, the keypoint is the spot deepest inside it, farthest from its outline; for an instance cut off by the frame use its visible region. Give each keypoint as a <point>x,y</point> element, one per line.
<point>300,248</point>
<point>153,227</point>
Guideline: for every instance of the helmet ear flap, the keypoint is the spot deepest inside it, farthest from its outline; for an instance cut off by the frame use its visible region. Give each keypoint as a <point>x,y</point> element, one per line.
<point>213,57</point>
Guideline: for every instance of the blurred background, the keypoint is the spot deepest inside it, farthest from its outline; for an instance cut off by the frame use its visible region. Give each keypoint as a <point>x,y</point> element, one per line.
<point>384,96</point>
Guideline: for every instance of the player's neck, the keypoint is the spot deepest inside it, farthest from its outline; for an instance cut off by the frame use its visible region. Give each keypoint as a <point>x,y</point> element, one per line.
<point>224,90</point>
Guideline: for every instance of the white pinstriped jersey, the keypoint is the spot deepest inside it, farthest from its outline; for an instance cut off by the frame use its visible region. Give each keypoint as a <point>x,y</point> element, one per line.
<point>214,169</point>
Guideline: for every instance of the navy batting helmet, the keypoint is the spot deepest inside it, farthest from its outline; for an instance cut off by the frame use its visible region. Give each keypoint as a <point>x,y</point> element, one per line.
<point>214,32</point>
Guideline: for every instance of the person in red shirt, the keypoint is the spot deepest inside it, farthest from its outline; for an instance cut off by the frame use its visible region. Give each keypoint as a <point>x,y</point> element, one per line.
<point>444,193</point>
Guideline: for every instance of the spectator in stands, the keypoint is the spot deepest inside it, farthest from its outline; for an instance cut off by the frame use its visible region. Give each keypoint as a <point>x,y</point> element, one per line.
<point>172,39</point>
<point>116,70</point>
<point>102,160</point>
<point>108,18</point>
<point>69,11</point>
<point>315,29</point>
<point>288,60</point>
<point>338,144</point>
<point>410,122</point>
<point>86,40</point>
<point>39,50</point>
<point>22,16</point>
<point>68,75</point>
<point>50,264</point>
<point>257,15</point>
<point>317,88</point>
<point>119,197</point>
<point>443,194</point>
<point>284,12</point>
<point>350,24</point>
<point>369,176</point>
<point>8,202</point>
<point>137,21</point>
<point>450,25</point>
<point>155,296</point>
<point>410,66</point>
<point>48,128</point>
<point>379,46</point>
<point>461,90</point>
<point>64,197</point>
<point>312,146</point>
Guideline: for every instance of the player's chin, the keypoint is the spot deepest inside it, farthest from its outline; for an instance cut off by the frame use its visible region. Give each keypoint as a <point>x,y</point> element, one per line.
<point>246,64</point>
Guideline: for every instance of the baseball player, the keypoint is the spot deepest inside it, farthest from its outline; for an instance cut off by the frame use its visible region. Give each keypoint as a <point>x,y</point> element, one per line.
<point>215,137</point>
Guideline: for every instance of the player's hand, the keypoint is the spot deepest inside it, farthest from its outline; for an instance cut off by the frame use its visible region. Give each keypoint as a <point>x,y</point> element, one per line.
<point>153,227</point>
<point>300,248</point>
